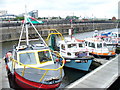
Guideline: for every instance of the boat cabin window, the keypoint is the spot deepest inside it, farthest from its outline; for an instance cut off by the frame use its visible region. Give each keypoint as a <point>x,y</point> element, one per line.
<point>104,44</point>
<point>114,34</point>
<point>63,47</point>
<point>118,35</point>
<point>72,46</point>
<point>80,45</point>
<point>44,56</point>
<point>85,43</point>
<point>69,54</point>
<point>91,45</point>
<point>99,45</point>
<point>27,58</point>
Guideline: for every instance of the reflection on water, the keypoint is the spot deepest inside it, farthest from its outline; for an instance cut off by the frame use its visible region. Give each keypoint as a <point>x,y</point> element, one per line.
<point>71,75</point>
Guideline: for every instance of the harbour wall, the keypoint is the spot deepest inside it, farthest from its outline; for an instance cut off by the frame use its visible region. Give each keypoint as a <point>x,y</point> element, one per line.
<point>13,33</point>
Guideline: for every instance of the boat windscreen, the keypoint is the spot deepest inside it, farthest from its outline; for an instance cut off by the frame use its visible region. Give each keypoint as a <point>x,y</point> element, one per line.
<point>27,58</point>
<point>44,56</point>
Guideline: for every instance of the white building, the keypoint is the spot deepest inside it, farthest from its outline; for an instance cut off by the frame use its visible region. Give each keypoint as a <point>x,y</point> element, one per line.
<point>3,12</point>
<point>34,13</point>
<point>8,17</point>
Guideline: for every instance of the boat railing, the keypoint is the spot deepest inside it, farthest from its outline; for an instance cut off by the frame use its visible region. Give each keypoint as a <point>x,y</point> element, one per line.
<point>14,62</point>
<point>55,32</point>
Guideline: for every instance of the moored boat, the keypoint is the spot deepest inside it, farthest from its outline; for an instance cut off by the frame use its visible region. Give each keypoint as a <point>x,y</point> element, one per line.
<point>110,38</point>
<point>98,47</point>
<point>71,49</point>
<point>33,64</point>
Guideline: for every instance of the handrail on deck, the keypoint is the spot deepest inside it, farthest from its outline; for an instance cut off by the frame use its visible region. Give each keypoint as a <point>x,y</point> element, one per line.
<point>15,61</point>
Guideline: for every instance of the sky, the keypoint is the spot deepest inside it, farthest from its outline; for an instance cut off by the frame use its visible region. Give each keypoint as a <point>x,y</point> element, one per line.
<point>63,8</point>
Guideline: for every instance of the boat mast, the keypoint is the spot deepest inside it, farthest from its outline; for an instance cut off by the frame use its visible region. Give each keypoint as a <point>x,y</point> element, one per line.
<point>26,29</point>
<point>26,26</point>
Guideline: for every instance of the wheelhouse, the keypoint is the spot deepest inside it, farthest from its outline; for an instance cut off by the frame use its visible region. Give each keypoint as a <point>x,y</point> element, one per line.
<point>70,49</point>
<point>34,57</point>
<point>95,43</point>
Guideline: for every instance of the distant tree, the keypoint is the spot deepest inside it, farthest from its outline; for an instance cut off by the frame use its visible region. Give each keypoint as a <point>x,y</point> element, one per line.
<point>71,17</point>
<point>54,17</point>
<point>40,18</point>
<point>68,18</point>
<point>114,18</point>
<point>19,18</point>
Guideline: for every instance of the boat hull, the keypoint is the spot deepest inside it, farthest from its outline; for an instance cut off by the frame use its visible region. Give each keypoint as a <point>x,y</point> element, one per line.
<point>27,84</point>
<point>80,64</point>
<point>103,55</point>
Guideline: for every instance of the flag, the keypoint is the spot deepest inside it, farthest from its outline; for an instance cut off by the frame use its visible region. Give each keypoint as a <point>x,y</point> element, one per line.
<point>70,20</point>
<point>34,20</point>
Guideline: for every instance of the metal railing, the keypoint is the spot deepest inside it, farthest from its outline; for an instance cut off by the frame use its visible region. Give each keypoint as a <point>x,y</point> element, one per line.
<point>14,62</point>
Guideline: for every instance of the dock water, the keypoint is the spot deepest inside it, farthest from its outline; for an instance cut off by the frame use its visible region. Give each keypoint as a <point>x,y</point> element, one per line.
<point>102,77</point>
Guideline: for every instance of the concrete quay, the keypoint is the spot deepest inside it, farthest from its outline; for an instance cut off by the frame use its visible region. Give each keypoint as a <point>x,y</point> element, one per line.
<point>4,82</point>
<point>13,33</point>
<point>102,77</point>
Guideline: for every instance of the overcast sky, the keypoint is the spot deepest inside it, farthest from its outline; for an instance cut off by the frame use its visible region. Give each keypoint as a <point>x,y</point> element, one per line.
<point>63,8</point>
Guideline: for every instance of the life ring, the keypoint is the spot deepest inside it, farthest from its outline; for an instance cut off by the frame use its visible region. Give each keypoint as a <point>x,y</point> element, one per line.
<point>22,47</point>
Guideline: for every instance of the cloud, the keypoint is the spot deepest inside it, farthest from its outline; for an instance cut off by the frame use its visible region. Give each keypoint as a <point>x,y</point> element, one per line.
<point>99,8</point>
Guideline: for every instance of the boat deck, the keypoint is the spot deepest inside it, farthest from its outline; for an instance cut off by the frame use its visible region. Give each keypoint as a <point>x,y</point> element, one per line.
<point>36,74</point>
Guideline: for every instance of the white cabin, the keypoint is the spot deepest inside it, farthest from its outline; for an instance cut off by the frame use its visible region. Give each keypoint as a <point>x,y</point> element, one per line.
<point>70,47</point>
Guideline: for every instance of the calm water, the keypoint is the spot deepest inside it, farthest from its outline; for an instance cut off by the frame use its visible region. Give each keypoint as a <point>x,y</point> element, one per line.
<point>70,74</point>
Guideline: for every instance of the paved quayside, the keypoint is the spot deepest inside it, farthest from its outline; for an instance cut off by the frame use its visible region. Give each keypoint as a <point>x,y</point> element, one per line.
<point>101,77</point>
<point>4,82</point>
